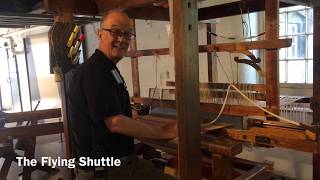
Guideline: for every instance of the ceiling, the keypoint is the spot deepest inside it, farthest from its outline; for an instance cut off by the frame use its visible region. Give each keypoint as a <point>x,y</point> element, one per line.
<point>27,13</point>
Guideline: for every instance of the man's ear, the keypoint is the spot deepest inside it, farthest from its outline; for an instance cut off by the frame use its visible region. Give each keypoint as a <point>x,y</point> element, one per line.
<point>99,34</point>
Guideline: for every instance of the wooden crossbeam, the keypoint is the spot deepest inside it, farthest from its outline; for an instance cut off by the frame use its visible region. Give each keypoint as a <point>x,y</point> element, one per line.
<point>89,7</point>
<point>223,47</point>
<point>233,110</point>
<point>275,137</point>
<point>31,131</point>
<point>104,5</point>
<point>210,85</point>
<point>233,8</point>
<point>31,115</point>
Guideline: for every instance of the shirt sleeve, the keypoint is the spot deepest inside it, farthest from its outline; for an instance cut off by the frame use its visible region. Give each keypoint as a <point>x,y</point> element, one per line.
<point>101,95</point>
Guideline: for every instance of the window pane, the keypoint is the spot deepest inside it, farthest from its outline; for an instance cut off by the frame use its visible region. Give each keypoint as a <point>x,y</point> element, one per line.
<point>298,47</point>
<point>296,71</point>
<point>296,22</point>
<point>310,20</point>
<point>310,72</point>
<point>282,71</point>
<point>282,53</point>
<point>310,46</point>
<point>282,10</point>
<point>282,30</point>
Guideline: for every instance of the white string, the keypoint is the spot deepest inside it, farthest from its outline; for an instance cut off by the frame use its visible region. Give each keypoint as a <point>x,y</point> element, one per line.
<point>204,125</point>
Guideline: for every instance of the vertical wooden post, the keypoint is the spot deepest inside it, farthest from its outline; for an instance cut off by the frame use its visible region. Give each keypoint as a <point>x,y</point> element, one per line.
<point>135,65</point>
<point>185,28</point>
<point>212,75</point>
<point>66,16</point>
<point>272,56</point>
<point>316,86</point>
<point>221,167</point>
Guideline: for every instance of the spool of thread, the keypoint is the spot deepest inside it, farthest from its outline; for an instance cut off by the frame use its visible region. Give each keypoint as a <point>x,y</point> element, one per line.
<point>73,35</point>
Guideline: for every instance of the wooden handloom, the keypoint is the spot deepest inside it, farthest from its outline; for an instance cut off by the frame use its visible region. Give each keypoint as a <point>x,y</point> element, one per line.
<point>185,19</point>
<point>26,135</point>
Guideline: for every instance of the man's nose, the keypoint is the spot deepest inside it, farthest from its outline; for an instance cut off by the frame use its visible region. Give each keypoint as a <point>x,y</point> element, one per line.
<point>121,38</point>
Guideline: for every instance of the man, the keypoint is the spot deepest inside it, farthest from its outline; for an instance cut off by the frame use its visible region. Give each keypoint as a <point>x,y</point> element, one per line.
<point>100,112</point>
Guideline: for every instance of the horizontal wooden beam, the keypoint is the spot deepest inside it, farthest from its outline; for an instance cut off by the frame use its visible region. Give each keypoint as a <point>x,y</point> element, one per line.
<point>235,8</point>
<point>211,85</point>
<point>31,131</point>
<point>223,47</point>
<point>104,5</point>
<point>149,13</point>
<point>295,2</point>
<point>31,115</point>
<point>89,7</point>
<point>232,110</point>
<point>275,137</point>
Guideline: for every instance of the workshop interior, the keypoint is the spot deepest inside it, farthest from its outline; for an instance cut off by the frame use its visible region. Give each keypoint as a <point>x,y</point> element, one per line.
<point>241,78</point>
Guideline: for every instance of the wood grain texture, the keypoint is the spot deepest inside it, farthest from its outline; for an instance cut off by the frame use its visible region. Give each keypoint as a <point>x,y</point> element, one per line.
<point>135,66</point>
<point>33,130</point>
<point>277,137</point>
<point>185,28</point>
<point>31,115</point>
<point>223,47</point>
<point>233,110</point>
<point>316,87</point>
<point>272,56</point>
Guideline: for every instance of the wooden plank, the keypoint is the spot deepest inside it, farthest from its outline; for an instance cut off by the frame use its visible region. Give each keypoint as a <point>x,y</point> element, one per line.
<point>104,6</point>
<point>233,110</point>
<point>233,8</point>
<point>185,29</point>
<point>272,56</point>
<point>295,2</point>
<point>248,87</point>
<point>31,115</point>
<point>223,47</point>
<point>217,145</point>
<point>316,87</point>
<point>135,66</point>
<point>210,40</point>
<point>275,137</point>
<point>221,167</point>
<point>149,13</point>
<point>89,7</point>
<point>30,131</point>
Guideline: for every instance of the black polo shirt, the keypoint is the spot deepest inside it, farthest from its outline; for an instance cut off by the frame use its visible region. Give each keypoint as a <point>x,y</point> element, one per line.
<point>97,91</point>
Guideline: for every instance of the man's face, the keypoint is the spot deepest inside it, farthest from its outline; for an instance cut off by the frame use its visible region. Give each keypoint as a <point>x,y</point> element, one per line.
<point>115,35</point>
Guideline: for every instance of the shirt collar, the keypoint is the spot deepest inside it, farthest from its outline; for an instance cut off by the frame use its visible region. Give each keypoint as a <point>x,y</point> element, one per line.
<point>103,58</point>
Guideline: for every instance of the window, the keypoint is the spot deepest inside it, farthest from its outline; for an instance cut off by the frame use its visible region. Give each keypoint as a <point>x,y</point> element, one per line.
<point>296,61</point>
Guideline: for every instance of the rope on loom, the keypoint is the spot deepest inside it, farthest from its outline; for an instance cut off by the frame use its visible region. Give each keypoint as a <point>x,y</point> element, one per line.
<point>204,125</point>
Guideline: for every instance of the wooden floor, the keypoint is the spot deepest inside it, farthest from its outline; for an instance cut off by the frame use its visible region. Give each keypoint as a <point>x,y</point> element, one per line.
<point>49,145</point>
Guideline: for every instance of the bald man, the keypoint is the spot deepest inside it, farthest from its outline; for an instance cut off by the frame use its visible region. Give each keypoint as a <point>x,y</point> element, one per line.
<point>101,123</point>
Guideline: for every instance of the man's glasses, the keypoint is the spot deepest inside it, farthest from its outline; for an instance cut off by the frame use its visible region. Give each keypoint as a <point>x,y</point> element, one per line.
<point>116,33</point>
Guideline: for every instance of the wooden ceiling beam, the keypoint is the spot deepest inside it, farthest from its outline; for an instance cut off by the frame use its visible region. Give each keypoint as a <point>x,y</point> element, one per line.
<point>104,5</point>
<point>233,8</point>
<point>149,13</point>
<point>143,9</point>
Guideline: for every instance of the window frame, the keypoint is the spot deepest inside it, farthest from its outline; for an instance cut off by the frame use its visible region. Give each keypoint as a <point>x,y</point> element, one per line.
<point>308,35</point>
